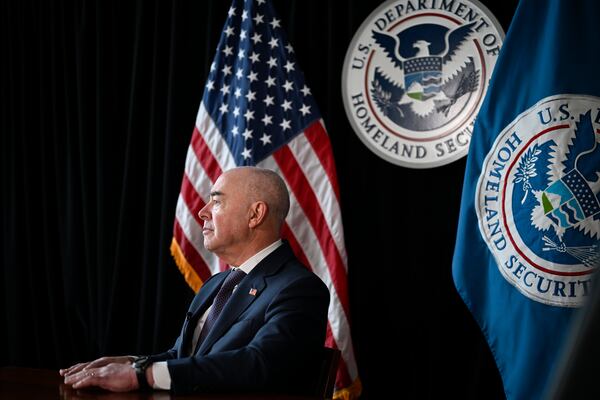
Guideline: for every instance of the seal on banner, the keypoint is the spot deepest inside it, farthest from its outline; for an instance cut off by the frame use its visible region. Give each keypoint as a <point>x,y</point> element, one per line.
<point>537,199</point>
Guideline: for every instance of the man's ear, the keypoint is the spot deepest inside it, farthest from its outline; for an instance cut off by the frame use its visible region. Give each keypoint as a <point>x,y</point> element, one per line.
<point>258,213</point>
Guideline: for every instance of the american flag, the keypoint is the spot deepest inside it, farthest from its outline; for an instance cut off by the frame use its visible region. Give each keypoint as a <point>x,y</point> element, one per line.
<point>258,110</point>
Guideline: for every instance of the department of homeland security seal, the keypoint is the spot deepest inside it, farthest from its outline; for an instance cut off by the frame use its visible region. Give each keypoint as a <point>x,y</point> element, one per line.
<point>537,199</point>
<point>415,75</point>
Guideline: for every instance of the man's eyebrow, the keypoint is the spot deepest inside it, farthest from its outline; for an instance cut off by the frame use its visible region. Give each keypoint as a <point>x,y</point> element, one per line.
<point>216,193</point>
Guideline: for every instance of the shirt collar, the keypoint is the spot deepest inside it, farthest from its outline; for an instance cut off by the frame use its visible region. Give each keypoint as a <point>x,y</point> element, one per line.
<point>253,261</point>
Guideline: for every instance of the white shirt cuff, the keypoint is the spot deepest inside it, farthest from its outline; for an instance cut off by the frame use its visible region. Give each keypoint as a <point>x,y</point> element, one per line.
<point>160,373</point>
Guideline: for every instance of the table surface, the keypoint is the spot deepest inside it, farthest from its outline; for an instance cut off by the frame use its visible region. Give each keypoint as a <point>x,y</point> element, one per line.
<point>41,384</point>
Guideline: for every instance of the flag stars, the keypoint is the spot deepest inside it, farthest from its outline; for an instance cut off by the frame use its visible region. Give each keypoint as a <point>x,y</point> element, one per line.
<point>256,38</point>
<point>252,76</point>
<point>258,19</point>
<point>267,120</point>
<point>228,50</point>
<point>265,139</point>
<point>289,66</point>
<point>285,124</point>
<point>247,134</point>
<point>305,110</point>
<point>251,96</point>
<point>229,31</point>
<point>252,82</point>
<point>225,89</point>
<point>254,57</point>
<point>249,115</point>
<point>270,81</point>
<point>275,23</point>
<point>269,100</point>
<point>288,85</point>
<point>246,153</point>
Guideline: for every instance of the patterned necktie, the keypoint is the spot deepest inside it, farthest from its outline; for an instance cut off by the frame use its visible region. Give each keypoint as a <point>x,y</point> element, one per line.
<point>230,282</point>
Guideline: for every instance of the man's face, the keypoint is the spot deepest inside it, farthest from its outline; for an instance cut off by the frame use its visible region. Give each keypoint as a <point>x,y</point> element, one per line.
<point>226,214</point>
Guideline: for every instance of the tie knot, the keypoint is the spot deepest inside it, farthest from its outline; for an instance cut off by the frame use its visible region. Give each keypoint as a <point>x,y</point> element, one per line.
<point>233,279</point>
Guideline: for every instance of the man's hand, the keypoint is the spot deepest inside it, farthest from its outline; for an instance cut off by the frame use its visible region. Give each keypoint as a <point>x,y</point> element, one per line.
<point>101,362</point>
<point>116,377</point>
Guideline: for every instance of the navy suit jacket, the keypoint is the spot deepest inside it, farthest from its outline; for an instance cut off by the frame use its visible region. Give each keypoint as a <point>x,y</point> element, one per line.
<point>269,336</point>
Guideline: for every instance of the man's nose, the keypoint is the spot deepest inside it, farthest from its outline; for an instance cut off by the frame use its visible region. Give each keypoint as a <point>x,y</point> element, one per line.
<point>204,213</point>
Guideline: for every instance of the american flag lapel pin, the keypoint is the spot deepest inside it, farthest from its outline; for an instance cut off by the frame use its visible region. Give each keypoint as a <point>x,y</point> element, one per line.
<point>252,292</point>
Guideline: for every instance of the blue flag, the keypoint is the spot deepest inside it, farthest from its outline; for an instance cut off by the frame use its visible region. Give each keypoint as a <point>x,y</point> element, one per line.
<point>528,236</point>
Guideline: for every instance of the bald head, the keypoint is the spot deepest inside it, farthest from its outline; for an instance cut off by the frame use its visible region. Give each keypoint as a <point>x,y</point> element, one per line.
<point>245,213</point>
<point>262,184</point>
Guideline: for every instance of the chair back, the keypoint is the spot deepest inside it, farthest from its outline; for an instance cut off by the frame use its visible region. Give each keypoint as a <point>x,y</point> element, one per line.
<point>328,372</point>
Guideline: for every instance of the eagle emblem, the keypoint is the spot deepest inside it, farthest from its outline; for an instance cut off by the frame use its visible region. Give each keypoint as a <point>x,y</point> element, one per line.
<point>569,200</point>
<point>421,56</point>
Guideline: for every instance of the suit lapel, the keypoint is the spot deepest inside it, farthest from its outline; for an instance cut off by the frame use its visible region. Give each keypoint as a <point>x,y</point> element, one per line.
<point>238,302</point>
<point>200,304</point>
<point>249,290</point>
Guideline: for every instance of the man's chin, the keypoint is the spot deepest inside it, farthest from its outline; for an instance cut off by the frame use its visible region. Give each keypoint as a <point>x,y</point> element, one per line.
<point>209,244</point>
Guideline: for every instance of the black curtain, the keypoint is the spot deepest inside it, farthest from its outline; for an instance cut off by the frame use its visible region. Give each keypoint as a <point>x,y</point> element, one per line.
<point>98,103</point>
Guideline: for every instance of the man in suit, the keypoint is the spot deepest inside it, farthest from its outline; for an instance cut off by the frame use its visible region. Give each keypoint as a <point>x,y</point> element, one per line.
<point>271,331</point>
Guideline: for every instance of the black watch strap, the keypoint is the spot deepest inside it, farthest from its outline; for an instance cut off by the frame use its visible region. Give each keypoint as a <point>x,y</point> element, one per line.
<point>140,364</point>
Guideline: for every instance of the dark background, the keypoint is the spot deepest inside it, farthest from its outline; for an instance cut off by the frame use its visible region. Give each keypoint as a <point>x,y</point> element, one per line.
<point>98,102</point>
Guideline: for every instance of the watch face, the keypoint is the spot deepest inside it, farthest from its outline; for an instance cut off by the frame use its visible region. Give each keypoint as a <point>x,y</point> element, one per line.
<point>140,362</point>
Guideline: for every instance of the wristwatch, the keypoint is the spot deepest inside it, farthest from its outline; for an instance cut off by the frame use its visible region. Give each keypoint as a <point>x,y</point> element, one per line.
<point>140,364</point>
